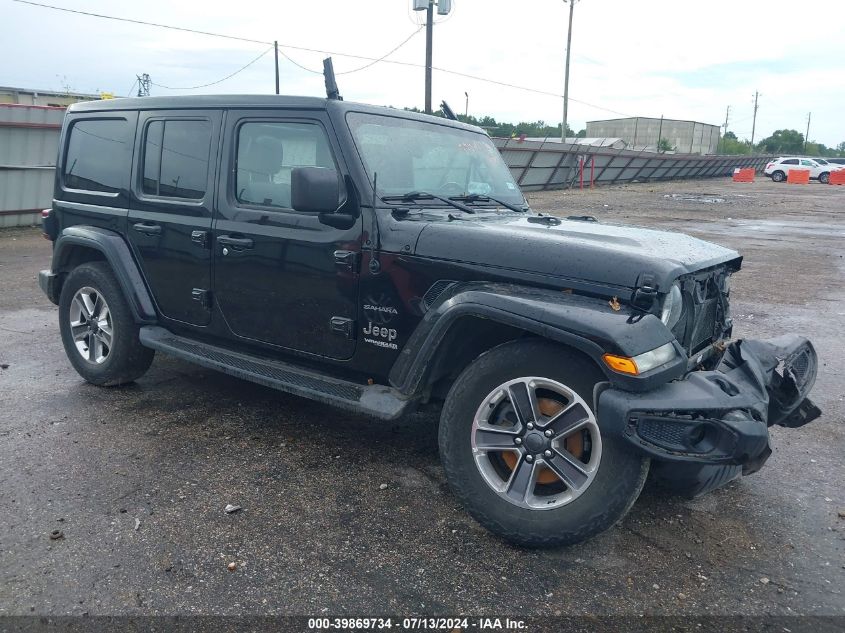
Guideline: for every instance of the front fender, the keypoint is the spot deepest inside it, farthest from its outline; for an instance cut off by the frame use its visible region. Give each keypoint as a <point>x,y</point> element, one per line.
<point>117,254</point>
<point>586,324</point>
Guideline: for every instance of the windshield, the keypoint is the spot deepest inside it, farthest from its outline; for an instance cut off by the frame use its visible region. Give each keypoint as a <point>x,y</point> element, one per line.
<point>415,156</point>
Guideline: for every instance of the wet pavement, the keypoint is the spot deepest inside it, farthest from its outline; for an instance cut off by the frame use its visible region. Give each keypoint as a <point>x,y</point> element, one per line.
<point>136,478</point>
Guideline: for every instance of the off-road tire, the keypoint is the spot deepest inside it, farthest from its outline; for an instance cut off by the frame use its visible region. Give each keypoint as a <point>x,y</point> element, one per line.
<point>127,359</point>
<point>778,176</point>
<point>618,481</point>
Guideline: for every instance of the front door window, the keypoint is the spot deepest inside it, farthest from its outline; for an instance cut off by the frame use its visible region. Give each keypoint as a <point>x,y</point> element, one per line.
<point>267,152</point>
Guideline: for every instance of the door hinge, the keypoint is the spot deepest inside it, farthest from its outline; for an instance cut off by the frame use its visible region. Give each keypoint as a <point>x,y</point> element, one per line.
<point>203,296</point>
<point>349,260</point>
<point>200,238</point>
<point>342,325</point>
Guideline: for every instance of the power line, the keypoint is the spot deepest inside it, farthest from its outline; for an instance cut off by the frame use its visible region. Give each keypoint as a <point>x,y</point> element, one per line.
<point>213,83</point>
<point>372,61</point>
<point>316,50</point>
<point>525,88</point>
<point>200,32</point>
<point>388,54</point>
<point>162,26</point>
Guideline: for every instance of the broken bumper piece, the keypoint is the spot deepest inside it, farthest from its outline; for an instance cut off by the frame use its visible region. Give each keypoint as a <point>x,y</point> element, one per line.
<point>721,417</point>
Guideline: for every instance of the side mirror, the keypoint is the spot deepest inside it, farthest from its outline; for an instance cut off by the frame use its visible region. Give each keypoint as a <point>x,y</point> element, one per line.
<point>314,189</point>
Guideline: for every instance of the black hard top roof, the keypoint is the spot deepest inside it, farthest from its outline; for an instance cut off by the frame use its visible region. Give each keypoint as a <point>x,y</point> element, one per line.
<point>253,101</point>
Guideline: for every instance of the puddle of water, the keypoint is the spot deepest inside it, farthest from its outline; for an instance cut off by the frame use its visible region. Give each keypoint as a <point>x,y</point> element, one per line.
<point>708,198</point>
<point>775,228</point>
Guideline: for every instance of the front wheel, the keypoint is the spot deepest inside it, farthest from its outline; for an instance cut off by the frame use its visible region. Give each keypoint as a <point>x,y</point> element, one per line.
<point>524,452</point>
<point>824,178</point>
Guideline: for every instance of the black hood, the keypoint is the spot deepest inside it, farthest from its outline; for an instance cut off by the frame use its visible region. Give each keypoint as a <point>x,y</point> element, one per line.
<point>572,249</point>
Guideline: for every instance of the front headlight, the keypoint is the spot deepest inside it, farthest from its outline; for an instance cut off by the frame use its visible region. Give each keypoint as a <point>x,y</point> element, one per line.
<point>673,307</point>
<point>643,362</point>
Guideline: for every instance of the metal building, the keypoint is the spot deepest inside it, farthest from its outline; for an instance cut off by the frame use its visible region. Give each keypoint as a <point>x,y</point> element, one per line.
<point>30,123</point>
<point>29,96</point>
<point>613,143</point>
<point>644,133</point>
<point>29,141</point>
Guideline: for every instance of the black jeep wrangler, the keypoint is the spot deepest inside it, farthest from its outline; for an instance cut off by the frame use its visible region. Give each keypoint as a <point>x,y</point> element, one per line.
<point>377,259</point>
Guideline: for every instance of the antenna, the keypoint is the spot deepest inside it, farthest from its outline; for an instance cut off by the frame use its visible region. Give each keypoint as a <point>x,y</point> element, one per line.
<point>448,111</point>
<point>375,237</point>
<point>331,85</point>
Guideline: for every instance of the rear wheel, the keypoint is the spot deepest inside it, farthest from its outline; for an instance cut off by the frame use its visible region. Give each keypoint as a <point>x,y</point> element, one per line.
<point>778,176</point>
<point>98,332</point>
<point>524,452</point>
<point>824,178</point>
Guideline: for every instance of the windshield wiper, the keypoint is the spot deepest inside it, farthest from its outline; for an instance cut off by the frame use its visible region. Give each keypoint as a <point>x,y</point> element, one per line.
<point>413,196</point>
<point>476,197</point>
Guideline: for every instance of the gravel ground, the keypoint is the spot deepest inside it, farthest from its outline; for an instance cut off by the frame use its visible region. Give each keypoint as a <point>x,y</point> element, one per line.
<point>136,478</point>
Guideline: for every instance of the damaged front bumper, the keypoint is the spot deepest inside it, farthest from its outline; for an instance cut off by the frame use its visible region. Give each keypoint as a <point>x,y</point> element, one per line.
<point>721,417</point>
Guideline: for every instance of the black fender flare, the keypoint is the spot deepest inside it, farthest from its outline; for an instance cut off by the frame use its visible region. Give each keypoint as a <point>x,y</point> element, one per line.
<point>587,324</point>
<point>117,253</point>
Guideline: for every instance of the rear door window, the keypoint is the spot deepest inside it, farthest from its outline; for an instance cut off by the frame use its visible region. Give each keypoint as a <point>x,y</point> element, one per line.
<point>176,156</point>
<point>790,161</point>
<point>98,155</point>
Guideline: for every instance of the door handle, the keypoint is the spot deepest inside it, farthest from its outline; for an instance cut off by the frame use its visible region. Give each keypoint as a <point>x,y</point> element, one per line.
<point>147,229</point>
<point>235,242</point>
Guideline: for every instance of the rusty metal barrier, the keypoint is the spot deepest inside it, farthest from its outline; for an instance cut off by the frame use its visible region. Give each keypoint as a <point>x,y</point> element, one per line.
<point>540,165</point>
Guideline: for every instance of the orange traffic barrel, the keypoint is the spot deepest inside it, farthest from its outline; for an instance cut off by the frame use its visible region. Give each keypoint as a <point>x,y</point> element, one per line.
<point>798,176</point>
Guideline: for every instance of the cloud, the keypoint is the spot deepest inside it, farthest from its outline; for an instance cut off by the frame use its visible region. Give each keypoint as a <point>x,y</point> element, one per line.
<point>680,59</point>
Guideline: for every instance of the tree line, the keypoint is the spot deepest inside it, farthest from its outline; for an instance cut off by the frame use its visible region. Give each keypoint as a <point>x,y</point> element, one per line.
<point>780,142</point>
<point>510,130</point>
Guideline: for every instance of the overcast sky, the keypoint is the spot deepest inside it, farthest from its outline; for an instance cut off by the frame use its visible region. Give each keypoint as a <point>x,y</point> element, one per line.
<point>681,59</point>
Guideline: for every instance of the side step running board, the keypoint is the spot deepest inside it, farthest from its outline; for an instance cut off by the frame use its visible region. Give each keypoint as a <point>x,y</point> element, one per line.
<point>376,400</point>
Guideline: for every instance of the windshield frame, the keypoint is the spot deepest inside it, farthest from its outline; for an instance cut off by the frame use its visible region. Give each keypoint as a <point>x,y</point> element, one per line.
<point>460,129</point>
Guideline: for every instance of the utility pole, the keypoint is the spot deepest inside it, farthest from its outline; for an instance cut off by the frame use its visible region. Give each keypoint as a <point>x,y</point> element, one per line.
<point>466,108</point>
<point>443,8</point>
<point>727,115</point>
<point>276,50</point>
<point>566,73</point>
<point>807,136</point>
<point>659,133</point>
<point>144,83</point>
<point>429,39</point>
<point>754,123</point>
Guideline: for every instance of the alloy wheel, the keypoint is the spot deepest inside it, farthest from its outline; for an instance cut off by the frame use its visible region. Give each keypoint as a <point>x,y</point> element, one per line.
<point>91,325</point>
<point>536,443</point>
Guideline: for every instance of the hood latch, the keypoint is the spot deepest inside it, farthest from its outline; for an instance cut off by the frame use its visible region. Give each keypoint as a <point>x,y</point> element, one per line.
<point>645,294</point>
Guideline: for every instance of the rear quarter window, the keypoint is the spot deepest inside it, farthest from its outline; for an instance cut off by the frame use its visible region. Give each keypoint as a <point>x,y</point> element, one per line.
<point>98,155</point>
<point>176,158</point>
